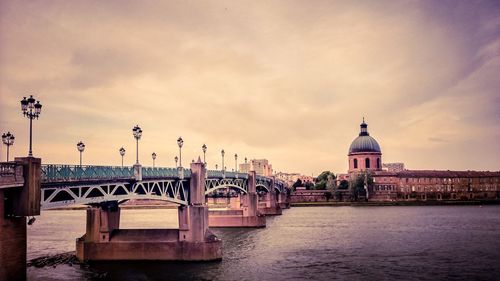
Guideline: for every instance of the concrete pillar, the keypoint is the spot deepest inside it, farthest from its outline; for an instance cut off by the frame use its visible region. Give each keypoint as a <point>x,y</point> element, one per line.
<point>15,204</point>
<point>101,221</point>
<point>12,245</point>
<point>272,194</point>
<point>193,219</point>
<point>250,200</point>
<point>138,172</point>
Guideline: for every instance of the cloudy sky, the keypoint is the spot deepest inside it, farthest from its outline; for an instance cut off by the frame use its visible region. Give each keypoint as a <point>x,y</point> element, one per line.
<point>284,80</point>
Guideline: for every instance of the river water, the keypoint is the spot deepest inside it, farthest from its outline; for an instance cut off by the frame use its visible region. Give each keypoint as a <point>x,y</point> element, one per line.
<point>316,243</point>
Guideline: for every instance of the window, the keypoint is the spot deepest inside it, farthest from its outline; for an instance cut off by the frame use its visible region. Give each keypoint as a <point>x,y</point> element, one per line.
<point>355,163</point>
<point>367,163</point>
<point>378,163</point>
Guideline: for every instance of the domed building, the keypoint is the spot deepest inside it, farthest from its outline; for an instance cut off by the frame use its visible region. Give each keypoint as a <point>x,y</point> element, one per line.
<point>364,152</point>
<point>395,183</point>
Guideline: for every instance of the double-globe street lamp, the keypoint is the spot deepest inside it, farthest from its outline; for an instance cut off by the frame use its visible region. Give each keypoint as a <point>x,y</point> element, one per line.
<point>222,152</point>
<point>236,162</point>
<point>204,149</point>
<point>31,110</point>
<point>81,147</point>
<point>180,143</point>
<point>122,153</point>
<point>8,140</point>
<point>176,159</point>
<point>137,132</point>
<point>153,155</point>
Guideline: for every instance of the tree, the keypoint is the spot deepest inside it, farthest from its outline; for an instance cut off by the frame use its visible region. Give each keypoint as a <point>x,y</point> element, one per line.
<point>297,184</point>
<point>325,180</point>
<point>344,184</point>
<point>358,184</point>
<point>309,185</point>
<point>328,195</point>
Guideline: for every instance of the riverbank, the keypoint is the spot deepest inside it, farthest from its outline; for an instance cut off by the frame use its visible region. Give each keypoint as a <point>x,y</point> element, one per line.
<point>396,203</point>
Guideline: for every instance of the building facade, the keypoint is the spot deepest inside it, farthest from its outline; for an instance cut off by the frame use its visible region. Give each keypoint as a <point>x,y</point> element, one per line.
<point>394,182</point>
<point>260,166</point>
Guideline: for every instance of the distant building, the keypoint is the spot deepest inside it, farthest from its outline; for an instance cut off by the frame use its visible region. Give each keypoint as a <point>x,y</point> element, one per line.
<point>260,166</point>
<point>291,178</point>
<point>396,183</point>
<point>393,167</point>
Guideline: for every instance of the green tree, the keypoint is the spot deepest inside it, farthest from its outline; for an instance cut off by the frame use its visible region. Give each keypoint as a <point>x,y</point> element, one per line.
<point>358,184</point>
<point>296,184</point>
<point>344,184</point>
<point>309,185</point>
<point>325,180</point>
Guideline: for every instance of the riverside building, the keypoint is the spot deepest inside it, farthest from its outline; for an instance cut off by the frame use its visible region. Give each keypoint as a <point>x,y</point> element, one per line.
<point>393,182</point>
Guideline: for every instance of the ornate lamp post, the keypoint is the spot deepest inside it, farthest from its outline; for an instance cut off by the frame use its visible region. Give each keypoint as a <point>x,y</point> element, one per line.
<point>176,159</point>
<point>216,167</point>
<point>81,147</point>
<point>122,153</point>
<point>137,131</point>
<point>204,148</point>
<point>31,110</point>
<point>180,143</point>
<point>8,140</point>
<point>236,162</point>
<point>154,158</point>
<point>245,160</point>
<point>222,153</point>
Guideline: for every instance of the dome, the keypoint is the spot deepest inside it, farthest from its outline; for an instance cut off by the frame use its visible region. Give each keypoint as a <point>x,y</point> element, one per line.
<point>364,143</point>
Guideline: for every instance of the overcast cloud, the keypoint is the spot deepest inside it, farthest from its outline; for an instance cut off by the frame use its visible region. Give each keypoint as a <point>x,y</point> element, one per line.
<point>284,80</point>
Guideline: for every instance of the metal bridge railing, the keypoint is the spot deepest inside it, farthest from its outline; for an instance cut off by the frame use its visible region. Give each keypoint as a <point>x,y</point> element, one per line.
<point>226,174</point>
<point>58,172</point>
<point>61,173</point>
<point>150,172</point>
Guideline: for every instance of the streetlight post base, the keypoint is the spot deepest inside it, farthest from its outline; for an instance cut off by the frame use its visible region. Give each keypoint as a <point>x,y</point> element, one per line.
<point>138,172</point>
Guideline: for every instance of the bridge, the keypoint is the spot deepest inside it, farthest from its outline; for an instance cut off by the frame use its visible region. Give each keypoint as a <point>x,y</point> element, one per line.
<point>27,186</point>
<point>64,185</point>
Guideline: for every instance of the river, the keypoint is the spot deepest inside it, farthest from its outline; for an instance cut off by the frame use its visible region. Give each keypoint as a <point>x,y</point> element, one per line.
<point>315,243</point>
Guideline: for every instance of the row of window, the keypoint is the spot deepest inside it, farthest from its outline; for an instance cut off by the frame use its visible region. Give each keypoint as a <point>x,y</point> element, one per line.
<point>450,180</point>
<point>367,163</point>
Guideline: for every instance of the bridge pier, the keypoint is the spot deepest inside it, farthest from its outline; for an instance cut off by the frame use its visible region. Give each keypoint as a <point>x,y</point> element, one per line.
<point>283,201</point>
<point>270,206</point>
<point>193,241</point>
<point>242,214</point>
<point>19,198</point>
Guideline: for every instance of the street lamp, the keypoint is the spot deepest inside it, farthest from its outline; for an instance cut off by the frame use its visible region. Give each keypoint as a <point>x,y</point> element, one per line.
<point>154,157</point>
<point>31,110</point>
<point>81,147</point>
<point>236,162</point>
<point>180,142</point>
<point>176,159</point>
<point>122,153</point>
<point>216,167</point>
<point>222,153</point>
<point>245,160</point>
<point>204,148</point>
<point>137,131</point>
<point>8,140</point>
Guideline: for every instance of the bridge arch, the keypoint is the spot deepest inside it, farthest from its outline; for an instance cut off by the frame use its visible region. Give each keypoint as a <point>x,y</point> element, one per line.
<point>262,186</point>
<point>212,189</point>
<point>175,191</point>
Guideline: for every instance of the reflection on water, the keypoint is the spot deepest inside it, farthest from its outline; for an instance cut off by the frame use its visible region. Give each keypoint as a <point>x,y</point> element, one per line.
<point>320,243</point>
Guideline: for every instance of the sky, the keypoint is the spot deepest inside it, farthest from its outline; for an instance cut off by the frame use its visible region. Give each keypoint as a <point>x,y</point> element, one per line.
<point>289,81</point>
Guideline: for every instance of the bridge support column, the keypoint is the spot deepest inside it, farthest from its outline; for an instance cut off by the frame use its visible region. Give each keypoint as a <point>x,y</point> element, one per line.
<point>282,200</point>
<point>17,202</point>
<point>193,241</point>
<point>272,207</point>
<point>246,216</point>
<point>101,222</point>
